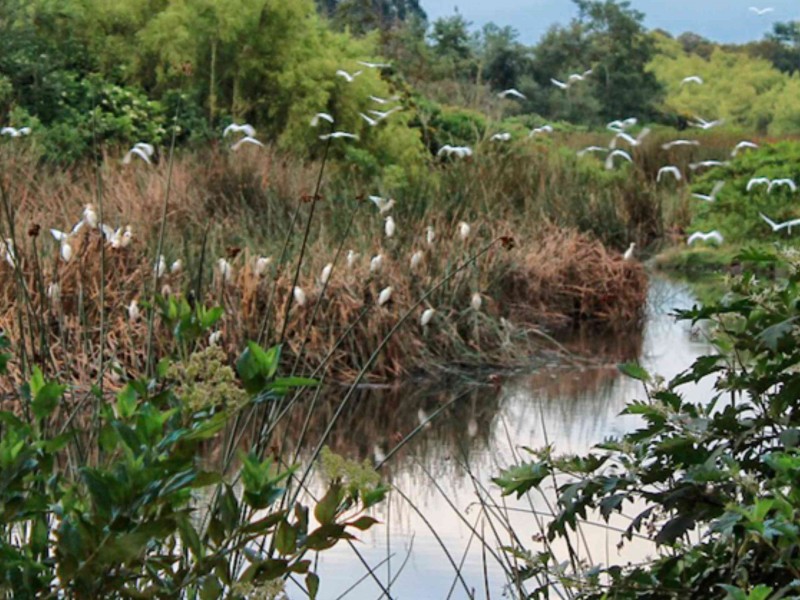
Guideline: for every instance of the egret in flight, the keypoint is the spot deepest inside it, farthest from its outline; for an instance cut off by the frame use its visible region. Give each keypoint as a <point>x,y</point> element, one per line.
<point>713,236</point>
<point>511,92</point>
<point>712,197</point>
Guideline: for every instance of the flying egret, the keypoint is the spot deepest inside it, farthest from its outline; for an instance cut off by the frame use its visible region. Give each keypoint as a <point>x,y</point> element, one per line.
<point>476,301</point>
<point>707,164</point>
<point>743,145</point>
<point>247,129</point>
<point>675,171</point>
<point>757,181</point>
<point>629,139</point>
<point>676,143</point>
<point>706,125</point>
<point>352,257</point>
<point>714,236</point>
<point>142,150</point>
<point>457,151</point>
<point>381,115</point>
<point>246,140</point>
<point>463,230</point>
<point>559,84</point>
<point>337,135</point>
<point>376,263</point>
<point>347,76</point>
<point>261,264</point>
<point>589,149</point>
<point>712,197</point>
<point>160,267</point>
<point>515,93</point>
<point>610,158</point>
<point>14,132</point>
<point>214,337</point>
<point>782,182</point>
<point>692,79</point>
<point>542,129</point>
<point>500,137</point>
<point>761,11</point>
<point>133,311</point>
<point>372,65</point>
<point>629,252</point>
<point>430,235</point>
<point>370,121</point>
<point>321,116</point>
<point>389,226</point>
<point>416,259</point>
<point>299,295</point>
<point>326,273</point>
<point>176,266</point>
<point>385,296</point>
<point>622,124</point>
<point>778,226</point>
<point>383,204</point>
<point>380,100</point>
<point>426,317</point>
<point>225,269</point>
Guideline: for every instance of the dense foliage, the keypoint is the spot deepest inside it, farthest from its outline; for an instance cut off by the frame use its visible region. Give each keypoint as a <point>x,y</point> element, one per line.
<point>713,482</point>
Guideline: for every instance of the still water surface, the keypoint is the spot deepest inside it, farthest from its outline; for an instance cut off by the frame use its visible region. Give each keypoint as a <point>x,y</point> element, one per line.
<point>571,406</point>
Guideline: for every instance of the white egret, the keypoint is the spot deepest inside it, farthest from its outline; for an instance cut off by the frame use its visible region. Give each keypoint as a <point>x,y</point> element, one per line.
<point>589,149</point>
<point>133,311</point>
<point>629,252</point>
<point>90,216</point>
<point>426,317</point>
<point>321,116</point>
<point>54,292</point>
<point>416,259</point>
<point>384,114</point>
<point>14,132</point>
<point>383,205</point>
<point>214,338</point>
<point>376,263</point>
<point>542,129</point>
<point>261,265</point>
<point>782,182</point>
<point>141,149</point>
<point>246,140</point>
<point>476,301</point>
<point>610,158</point>
<point>160,267</point>
<point>7,248</point>
<point>247,129</point>
<point>176,266</point>
<point>743,145</point>
<point>423,418</point>
<point>778,226</point>
<point>385,296</point>
<point>225,269</point>
<point>370,121</point>
<point>692,79</point>
<point>500,137</point>
<point>712,197</point>
<point>457,151</point>
<point>512,92</point>
<point>372,65</point>
<point>352,257</point>
<point>472,428</point>
<point>677,143</point>
<point>326,273</point>
<point>675,171</point>
<point>389,226</point>
<point>559,84</point>
<point>65,251</point>
<point>338,135</point>
<point>430,235</point>
<point>299,295</point>
<point>757,181</point>
<point>573,77</point>
<point>705,125</point>
<point>126,238</point>
<point>714,236</point>
<point>463,230</point>
<point>349,78</point>
<point>380,100</point>
<point>629,139</point>
<point>622,124</point>
<point>707,164</point>
<point>761,11</point>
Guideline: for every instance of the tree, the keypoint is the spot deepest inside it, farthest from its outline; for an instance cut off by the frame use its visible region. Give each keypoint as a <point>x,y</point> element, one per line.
<point>504,59</point>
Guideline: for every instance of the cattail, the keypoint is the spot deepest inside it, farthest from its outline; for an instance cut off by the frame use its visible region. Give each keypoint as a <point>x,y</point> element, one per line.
<point>430,235</point>
<point>299,296</point>
<point>326,273</point>
<point>66,252</point>
<point>214,338</point>
<point>426,317</point>
<point>262,262</point>
<point>133,311</point>
<point>385,296</point>
<point>416,259</point>
<point>176,267</point>
<point>476,302</point>
<point>463,230</point>
<point>376,263</point>
<point>389,226</point>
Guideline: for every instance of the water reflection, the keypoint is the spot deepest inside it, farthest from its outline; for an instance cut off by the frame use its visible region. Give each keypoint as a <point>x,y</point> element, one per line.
<point>572,405</point>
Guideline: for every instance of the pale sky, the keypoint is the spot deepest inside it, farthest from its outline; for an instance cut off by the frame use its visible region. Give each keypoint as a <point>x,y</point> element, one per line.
<point>718,20</point>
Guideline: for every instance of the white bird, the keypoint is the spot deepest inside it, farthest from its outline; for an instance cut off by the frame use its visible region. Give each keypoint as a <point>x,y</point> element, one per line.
<point>472,428</point>
<point>247,129</point>
<point>384,114</point>
<point>744,144</point>
<point>610,158</point>
<point>90,216</point>
<point>579,76</point>
<point>370,121</point>
<point>705,125</point>
<point>676,143</point>
<point>352,256</point>
<point>426,317</point>
<point>457,151</point>
<point>380,100</point>
<point>160,267</point>
<point>430,235</point>
<point>706,164</point>
<point>778,226</point>
<point>54,292</point>
<point>416,259</point>
<point>542,129</point>
<point>261,264</point>
<point>125,240</point>
<point>321,116</point>
<point>246,140</point>
<point>423,418</point>
<point>782,182</point>
<point>758,181</point>
<point>714,236</point>
<point>712,197</point>
<point>761,11</point>
<point>692,79</point>
<point>7,248</point>
<point>511,92</point>
<point>299,296</point>
<point>225,269</point>
<point>347,76</point>
<point>61,236</point>
<point>337,135</point>
<point>383,204</point>
<point>176,266</point>
<point>559,84</point>
<point>500,137</point>
<point>675,171</point>
<point>376,263</point>
<point>65,251</point>
<point>629,252</point>
<point>14,132</point>
<point>588,149</point>
<point>142,150</point>
<point>389,226</point>
<point>133,311</point>
<point>622,124</point>
<point>476,301</point>
<point>113,236</point>
<point>385,296</point>
<point>372,65</point>
<point>463,230</point>
<point>629,139</point>
<point>326,273</point>
<point>214,338</point>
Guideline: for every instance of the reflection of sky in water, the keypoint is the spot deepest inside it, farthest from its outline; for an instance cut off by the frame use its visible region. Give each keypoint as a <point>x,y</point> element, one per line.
<point>569,406</point>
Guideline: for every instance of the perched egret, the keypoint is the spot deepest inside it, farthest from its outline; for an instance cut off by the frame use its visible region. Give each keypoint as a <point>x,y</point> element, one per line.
<point>610,158</point>
<point>321,116</point>
<point>676,143</point>
<point>463,230</point>
<point>383,204</point>
<point>214,338</point>
<point>160,267</point>
<point>376,263</point>
<point>7,249</point>
<point>176,267</point>
<point>385,296</point>
<point>430,235</point>
<point>511,92</point>
<point>712,197</point>
<point>54,292</point>
<point>352,257</point>
<point>423,418</point>
<point>133,311</point>
<point>476,301</point>
<point>778,226</point>
<point>225,269</point>
<point>389,227</point>
<point>500,137</point>
<point>416,259</point>
<point>65,251</point>
<point>247,129</point>
<point>246,140</point>
<point>338,135</point>
<point>457,151</point>
<point>261,265</point>
<point>543,129</point>
<point>90,216</point>
<point>426,317</point>
<point>347,76</point>
<point>629,252</point>
<point>743,145</point>
<point>472,428</point>
<point>299,296</point>
<point>714,236</point>
<point>692,79</point>
<point>675,171</point>
<point>326,273</point>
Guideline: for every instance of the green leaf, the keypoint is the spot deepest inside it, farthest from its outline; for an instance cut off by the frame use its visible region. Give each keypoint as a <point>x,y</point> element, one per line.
<point>363,523</point>
<point>634,371</point>
<point>312,585</point>
<point>211,588</point>
<point>285,538</point>
<point>46,399</point>
<point>325,510</point>
<point>521,478</point>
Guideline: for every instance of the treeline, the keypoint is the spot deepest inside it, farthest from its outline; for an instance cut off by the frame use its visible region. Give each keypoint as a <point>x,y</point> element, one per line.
<point>119,71</point>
